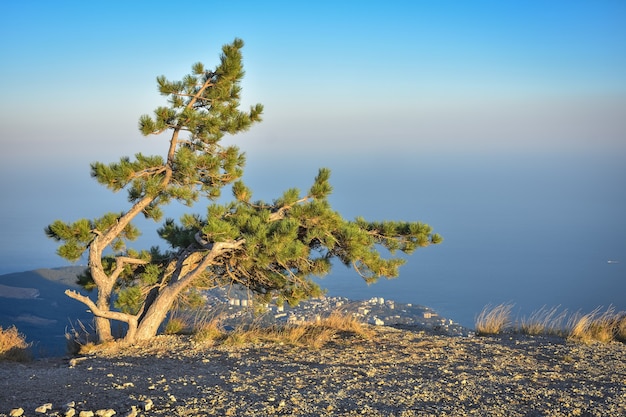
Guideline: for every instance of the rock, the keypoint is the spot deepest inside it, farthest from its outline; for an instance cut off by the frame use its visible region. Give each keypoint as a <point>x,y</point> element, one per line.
<point>70,412</point>
<point>44,408</point>
<point>147,405</point>
<point>105,413</point>
<point>86,414</point>
<point>16,412</point>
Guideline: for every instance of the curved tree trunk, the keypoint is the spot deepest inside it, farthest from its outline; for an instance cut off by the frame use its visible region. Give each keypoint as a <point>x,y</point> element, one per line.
<point>156,313</point>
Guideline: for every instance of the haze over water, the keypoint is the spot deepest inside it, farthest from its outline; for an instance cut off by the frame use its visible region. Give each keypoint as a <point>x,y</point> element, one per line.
<point>528,230</point>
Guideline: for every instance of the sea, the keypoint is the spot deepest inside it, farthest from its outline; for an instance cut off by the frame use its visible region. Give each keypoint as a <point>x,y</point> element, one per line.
<point>528,229</point>
<point>532,231</point>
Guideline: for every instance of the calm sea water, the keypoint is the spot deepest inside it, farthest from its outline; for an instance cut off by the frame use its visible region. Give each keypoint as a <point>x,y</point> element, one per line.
<point>532,230</point>
<point>529,230</point>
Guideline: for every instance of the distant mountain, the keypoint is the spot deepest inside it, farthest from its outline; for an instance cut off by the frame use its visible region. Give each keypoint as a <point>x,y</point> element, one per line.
<point>35,302</point>
<point>66,275</point>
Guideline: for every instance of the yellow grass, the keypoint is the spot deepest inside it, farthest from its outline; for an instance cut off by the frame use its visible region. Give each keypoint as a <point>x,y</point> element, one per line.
<point>596,326</point>
<point>314,335</point>
<point>620,328</point>
<point>493,319</point>
<point>13,345</point>
<point>209,331</point>
<point>545,321</point>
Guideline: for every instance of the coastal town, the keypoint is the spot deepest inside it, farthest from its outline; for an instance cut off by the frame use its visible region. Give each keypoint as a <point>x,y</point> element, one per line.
<point>237,306</point>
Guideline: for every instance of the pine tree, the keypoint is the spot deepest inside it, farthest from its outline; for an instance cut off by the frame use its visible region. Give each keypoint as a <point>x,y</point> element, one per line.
<point>272,248</point>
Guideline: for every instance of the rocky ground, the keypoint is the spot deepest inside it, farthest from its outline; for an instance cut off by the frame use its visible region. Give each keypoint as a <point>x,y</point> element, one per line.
<point>395,373</point>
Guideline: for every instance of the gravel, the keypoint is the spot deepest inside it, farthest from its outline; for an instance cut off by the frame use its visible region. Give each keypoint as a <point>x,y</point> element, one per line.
<point>395,373</point>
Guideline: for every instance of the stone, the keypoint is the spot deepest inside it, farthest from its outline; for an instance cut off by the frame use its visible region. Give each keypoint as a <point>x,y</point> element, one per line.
<point>147,405</point>
<point>105,413</point>
<point>16,412</point>
<point>70,412</point>
<point>86,414</point>
<point>43,408</point>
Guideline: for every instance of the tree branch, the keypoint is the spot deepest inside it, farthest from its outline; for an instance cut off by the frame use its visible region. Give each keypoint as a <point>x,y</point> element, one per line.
<point>112,315</point>
<point>122,261</point>
<point>280,213</point>
<point>217,249</point>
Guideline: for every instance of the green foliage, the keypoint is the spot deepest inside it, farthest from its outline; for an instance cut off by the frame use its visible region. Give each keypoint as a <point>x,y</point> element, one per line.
<point>150,274</point>
<point>273,249</point>
<point>129,300</point>
<point>293,239</point>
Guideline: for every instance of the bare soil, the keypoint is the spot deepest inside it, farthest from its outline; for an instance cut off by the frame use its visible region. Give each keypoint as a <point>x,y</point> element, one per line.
<point>396,373</point>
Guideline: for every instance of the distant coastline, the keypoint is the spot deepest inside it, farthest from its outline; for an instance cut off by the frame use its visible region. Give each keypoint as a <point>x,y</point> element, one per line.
<point>7,291</point>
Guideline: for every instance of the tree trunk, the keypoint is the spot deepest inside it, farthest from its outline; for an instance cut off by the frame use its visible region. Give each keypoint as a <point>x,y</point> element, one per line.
<point>104,287</point>
<point>103,326</point>
<point>156,313</point>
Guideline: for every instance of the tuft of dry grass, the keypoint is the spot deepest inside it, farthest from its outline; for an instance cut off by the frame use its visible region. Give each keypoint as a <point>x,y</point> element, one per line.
<point>13,345</point>
<point>596,326</point>
<point>175,325</point>
<point>620,328</point>
<point>313,335</point>
<point>209,331</point>
<point>493,319</point>
<point>545,321</point>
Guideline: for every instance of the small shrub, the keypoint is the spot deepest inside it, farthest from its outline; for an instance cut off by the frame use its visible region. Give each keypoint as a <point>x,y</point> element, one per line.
<point>13,345</point>
<point>493,320</point>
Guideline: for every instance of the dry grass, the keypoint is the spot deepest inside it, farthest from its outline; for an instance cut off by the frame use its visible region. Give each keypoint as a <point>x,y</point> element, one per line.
<point>597,326</point>
<point>13,345</point>
<point>209,331</point>
<point>175,325</point>
<point>493,319</point>
<point>314,335</point>
<point>77,336</point>
<point>620,328</point>
<point>545,321</point>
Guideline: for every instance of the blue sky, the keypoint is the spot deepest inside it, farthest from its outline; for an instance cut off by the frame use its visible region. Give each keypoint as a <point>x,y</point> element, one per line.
<point>339,81</point>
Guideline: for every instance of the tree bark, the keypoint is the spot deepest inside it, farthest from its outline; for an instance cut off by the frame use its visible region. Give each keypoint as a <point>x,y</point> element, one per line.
<point>104,286</point>
<point>103,325</point>
<point>156,313</point>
